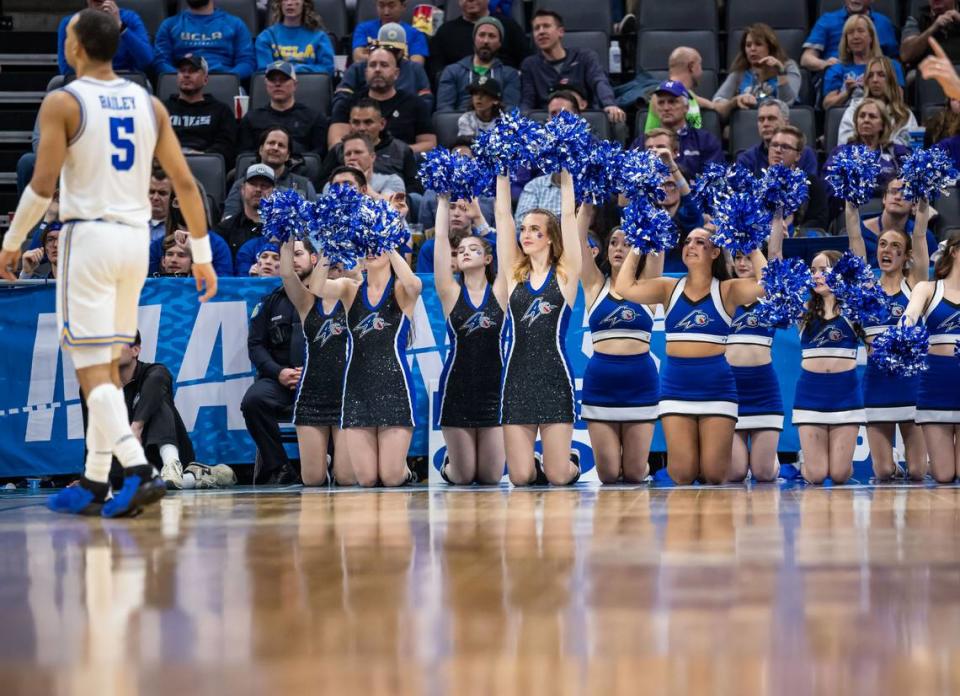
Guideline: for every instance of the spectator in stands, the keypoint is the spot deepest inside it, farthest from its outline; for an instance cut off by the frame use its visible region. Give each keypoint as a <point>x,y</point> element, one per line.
<point>412,78</point>
<point>453,92</point>
<point>268,259</point>
<point>134,54</point>
<point>844,80</point>
<point>759,71</point>
<point>236,229</point>
<point>787,143</point>
<point>897,214</point>
<point>428,203</point>
<point>160,192</point>
<point>202,123</point>
<point>697,147</point>
<point>466,218</point>
<point>218,36</point>
<point>487,101</point>
<point>873,128</point>
<point>685,66</point>
<point>276,347</point>
<point>392,156</point>
<point>540,192</point>
<point>176,227</point>
<point>273,149</point>
<point>880,83</point>
<point>359,152</point>
<point>295,35</point>
<point>307,127</point>
<point>407,117</point>
<point>771,115</point>
<point>822,47</point>
<point>176,260</point>
<point>939,19</point>
<point>41,263</point>
<point>554,66</point>
<point>389,12</point>
<point>454,39</point>
<point>943,130</point>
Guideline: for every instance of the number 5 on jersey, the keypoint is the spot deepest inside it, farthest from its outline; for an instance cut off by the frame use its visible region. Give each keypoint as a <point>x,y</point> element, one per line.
<point>121,130</point>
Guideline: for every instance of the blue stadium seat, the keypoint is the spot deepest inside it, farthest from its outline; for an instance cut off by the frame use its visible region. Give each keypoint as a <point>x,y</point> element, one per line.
<point>579,16</point>
<point>315,90</point>
<point>654,47</point>
<point>679,15</point>
<point>150,11</point>
<point>779,15</point>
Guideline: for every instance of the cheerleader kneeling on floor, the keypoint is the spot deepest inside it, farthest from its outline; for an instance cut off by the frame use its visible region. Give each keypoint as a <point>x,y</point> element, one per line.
<point>937,302</point>
<point>698,392</point>
<point>470,382</point>
<point>621,387</point>
<point>537,283</point>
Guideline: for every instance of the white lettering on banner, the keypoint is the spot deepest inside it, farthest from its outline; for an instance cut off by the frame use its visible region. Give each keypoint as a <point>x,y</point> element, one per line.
<point>43,379</point>
<point>228,319</point>
<point>191,398</point>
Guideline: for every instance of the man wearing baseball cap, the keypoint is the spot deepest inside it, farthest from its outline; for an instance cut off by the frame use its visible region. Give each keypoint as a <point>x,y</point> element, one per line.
<point>237,230</point>
<point>202,123</point>
<point>389,12</point>
<point>454,39</point>
<point>698,147</point>
<point>453,92</point>
<point>307,127</point>
<point>487,105</point>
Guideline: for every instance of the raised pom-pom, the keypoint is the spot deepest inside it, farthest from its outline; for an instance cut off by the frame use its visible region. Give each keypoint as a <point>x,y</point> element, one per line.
<point>596,180</point>
<point>513,143</point>
<point>901,351</point>
<point>860,296</point>
<point>710,187</point>
<point>851,175</point>
<point>783,189</point>
<point>640,173</point>
<point>742,225</point>
<point>568,142</point>
<point>648,227</point>
<point>786,284</point>
<point>382,228</point>
<point>332,224</point>
<point>741,180</point>
<point>283,215</point>
<point>452,174</point>
<point>927,174</point>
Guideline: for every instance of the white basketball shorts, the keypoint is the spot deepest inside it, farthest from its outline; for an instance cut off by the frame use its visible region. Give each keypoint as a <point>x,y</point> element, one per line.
<point>101,269</point>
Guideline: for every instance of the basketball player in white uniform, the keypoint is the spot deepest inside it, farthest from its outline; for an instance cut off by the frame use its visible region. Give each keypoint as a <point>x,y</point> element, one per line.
<point>103,132</point>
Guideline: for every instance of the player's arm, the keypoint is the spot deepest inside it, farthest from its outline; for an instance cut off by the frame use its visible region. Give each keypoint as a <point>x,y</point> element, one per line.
<point>171,158</point>
<point>58,110</point>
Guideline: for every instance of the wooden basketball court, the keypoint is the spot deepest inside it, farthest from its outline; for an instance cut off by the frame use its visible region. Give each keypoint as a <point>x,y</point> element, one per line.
<point>635,590</point>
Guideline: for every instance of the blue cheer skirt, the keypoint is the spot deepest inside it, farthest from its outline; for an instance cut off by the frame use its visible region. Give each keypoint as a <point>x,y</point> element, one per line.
<point>828,398</point>
<point>938,397</point>
<point>758,393</point>
<point>889,399</point>
<point>697,387</point>
<point>620,388</point>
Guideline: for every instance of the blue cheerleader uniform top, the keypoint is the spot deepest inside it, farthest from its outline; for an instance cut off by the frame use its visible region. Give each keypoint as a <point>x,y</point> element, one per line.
<point>829,338</point>
<point>703,321</point>
<point>746,329</point>
<point>612,318</point>
<point>896,306</point>
<point>942,318</point>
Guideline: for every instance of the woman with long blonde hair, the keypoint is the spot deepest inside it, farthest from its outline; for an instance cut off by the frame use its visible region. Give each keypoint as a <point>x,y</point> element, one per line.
<point>844,80</point>
<point>880,83</point>
<point>295,35</point>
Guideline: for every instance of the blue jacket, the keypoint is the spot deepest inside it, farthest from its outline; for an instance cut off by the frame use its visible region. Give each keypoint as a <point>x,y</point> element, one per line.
<point>134,52</point>
<point>221,38</point>
<point>452,94</point>
<point>309,50</point>
<point>755,159</point>
<point>222,261</point>
<point>827,32</point>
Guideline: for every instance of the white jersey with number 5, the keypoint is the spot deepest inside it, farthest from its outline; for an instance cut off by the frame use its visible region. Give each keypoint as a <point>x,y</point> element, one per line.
<point>106,174</point>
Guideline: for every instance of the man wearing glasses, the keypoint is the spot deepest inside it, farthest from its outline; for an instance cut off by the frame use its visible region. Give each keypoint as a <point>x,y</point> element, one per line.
<point>786,144</point>
<point>772,114</point>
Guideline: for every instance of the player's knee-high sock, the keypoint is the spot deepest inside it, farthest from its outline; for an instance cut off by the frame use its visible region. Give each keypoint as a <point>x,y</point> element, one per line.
<point>99,454</point>
<point>109,412</point>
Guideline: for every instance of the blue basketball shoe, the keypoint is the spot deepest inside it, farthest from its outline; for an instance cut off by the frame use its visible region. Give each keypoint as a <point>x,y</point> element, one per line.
<point>141,486</point>
<point>79,499</point>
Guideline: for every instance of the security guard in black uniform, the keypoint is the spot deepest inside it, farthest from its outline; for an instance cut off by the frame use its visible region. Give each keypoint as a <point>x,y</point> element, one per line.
<point>275,345</point>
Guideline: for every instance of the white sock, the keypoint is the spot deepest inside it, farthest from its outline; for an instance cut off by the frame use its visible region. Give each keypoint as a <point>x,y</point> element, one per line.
<point>109,411</point>
<point>169,454</point>
<point>99,456</point>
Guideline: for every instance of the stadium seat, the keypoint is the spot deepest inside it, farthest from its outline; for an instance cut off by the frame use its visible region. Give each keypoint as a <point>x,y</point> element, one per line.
<point>929,111</point>
<point>221,86</point>
<point>654,47</point>
<point>708,82</point>
<point>211,171</point>
<point>678,15</point>
<point>711,123</point>
<point>579,16</point>
<point>779,15</point>
<point>743,128</point>
<point>150,11</point>
<point>885,7</point>
<point>791,40</point>
<point>596,41</point>
<point>334,15</point>
<point>244,9</point>
<point>452,11</point>
<point>313,89</point>
<point>948,208</point>
<point>599,123</point>
<point>310,168</point>
<point>929,92</point>
<point>831,128</point>
<point>445,126</point>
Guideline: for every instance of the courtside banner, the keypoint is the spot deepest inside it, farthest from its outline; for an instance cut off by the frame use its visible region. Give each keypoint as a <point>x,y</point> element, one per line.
<point>205,349</point>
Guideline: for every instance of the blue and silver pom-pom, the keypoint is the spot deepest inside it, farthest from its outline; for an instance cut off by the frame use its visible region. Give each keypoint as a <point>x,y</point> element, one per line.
<point>927,174</point>
<point>648,227</point>
<point>901,351</point>
<point>741,180</point>
<point>783,189</point>
<point>851,175</point>
<point>640,174</point>
<point>283,215</point>
<point>596,180</point>
<point>381,228</point>
<point>331,224</point>
<point>786,284</point>
<point>859,295</point>
<point>568,142</point>
<point>710,187</point>
<point>742,225</point>
<point>453,174</point>
<point>513,143</point>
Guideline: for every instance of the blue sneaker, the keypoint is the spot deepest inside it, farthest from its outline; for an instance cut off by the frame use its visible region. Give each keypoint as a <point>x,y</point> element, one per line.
<point>75,500</point>
<point>141,486</point>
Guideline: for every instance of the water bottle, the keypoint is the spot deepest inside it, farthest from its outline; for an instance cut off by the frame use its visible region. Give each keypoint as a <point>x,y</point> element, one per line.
<point>615,65</point>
